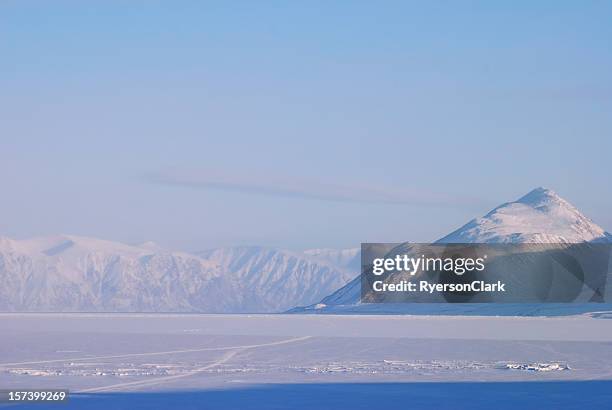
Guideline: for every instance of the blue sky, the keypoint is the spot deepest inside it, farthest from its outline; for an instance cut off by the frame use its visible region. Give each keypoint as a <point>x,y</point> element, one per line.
<point>313,124</point>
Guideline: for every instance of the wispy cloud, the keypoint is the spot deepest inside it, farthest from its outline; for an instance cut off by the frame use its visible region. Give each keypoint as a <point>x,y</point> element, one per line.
<point>302,188</point>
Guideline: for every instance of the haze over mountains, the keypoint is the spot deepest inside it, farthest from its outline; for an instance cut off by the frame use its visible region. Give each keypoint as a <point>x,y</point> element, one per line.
<point>69,273</point>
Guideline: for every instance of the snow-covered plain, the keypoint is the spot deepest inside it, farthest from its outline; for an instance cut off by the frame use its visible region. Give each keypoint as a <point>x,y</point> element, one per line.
<point>310,361</point>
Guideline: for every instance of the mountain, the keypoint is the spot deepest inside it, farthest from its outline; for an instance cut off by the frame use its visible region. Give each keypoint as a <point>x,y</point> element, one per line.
<point>541,216</point>
<point>70,273</point>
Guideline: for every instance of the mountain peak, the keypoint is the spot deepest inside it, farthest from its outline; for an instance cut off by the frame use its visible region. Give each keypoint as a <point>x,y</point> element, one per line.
<point>542,197</point>
<point>538,194</point>
<point>541,216</point>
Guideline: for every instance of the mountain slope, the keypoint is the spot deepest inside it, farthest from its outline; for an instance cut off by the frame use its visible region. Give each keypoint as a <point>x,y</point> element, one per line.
<point>541,216</point>
<point>274,280</point>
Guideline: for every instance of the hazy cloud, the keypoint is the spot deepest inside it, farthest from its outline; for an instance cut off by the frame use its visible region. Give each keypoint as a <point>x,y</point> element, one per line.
<point>273,185</point>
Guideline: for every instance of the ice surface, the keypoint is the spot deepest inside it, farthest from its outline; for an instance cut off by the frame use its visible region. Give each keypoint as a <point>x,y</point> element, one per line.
<point>280,361</point>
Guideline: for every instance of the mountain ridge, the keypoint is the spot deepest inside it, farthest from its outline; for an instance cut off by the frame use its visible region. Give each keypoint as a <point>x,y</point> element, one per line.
<point>72,273</point>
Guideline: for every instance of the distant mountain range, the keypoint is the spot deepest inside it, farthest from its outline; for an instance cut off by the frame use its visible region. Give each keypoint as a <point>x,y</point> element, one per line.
<point>69,273</point>
<point>541,216</point>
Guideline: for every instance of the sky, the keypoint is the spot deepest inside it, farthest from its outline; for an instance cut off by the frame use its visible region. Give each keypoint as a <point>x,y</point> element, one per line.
<point>297,124</point>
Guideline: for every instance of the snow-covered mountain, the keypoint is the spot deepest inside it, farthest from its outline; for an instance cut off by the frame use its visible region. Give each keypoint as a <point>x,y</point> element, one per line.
<point>541,216</point>
<point>69,273</point>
